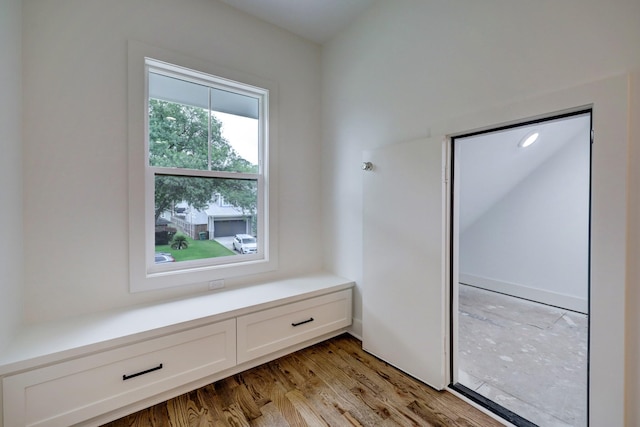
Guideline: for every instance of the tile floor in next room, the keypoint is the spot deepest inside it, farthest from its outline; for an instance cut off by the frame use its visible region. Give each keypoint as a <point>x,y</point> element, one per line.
<point>528,357</point>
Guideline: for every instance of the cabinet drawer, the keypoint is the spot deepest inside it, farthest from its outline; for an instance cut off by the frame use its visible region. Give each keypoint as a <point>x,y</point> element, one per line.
<point>80,389</point>
<point>270,330</point>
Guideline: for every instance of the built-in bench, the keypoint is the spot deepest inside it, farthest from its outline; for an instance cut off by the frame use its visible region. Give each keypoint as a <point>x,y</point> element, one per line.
<point>95,368</point>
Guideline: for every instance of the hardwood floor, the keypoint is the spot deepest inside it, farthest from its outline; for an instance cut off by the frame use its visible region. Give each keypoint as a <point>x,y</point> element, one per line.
<point>334,383</point>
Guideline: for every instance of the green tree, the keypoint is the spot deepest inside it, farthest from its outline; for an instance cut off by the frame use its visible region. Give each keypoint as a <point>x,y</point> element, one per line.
<point>178,137</point>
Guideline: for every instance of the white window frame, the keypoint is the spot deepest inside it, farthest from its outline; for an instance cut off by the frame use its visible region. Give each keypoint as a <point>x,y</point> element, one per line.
<point>144,274</point>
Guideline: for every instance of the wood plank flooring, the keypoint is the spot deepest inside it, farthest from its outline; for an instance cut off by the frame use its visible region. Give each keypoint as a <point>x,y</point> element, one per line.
<point>334,383</point>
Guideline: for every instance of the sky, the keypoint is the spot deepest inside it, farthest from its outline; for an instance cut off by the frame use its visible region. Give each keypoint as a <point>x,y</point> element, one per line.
<point>241,133</point>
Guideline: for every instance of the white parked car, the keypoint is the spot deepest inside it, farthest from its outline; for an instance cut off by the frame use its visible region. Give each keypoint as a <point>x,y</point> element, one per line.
<point>245,244</point>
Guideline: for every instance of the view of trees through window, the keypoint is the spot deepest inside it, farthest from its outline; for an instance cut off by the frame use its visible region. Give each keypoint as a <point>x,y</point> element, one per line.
<point>196,215</point>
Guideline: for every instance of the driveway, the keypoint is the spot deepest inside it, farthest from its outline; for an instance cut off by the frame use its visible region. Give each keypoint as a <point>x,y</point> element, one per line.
<point>226,241</point>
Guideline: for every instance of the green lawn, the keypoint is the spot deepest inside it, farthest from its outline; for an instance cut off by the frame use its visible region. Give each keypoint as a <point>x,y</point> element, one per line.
<point>198,249</point>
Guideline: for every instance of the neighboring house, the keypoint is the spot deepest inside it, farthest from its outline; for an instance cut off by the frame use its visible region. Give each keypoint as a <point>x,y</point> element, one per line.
<point>227,220</point>
<point>219,219</point>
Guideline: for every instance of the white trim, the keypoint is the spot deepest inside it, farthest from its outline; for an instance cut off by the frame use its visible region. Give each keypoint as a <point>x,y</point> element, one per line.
<point>610,100</point>
<point>199,77</point>
<point>449,274</point>
<point>543,296</point>
<point>141,202</point>
<point>206,81</point>
<point>199,173</point>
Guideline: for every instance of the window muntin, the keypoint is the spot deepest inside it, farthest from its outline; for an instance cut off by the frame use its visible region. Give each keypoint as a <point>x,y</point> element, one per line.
<point>194,126</point>
<point>205,142</point>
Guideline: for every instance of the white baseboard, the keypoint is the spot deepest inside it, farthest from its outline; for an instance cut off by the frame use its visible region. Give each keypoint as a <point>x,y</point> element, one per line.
<point>567,302</point>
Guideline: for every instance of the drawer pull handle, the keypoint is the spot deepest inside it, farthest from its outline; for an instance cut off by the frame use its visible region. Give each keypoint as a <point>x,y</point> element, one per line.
<point>137,374</point>
<point>303,322</point>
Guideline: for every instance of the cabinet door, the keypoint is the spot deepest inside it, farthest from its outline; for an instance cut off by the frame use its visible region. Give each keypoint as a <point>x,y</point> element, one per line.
<point>277,328</point>
<point>404,257</point>
<point>80,389</point>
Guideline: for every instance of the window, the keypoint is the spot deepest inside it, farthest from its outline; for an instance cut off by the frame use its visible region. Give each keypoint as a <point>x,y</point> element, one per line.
<point>203,163</point>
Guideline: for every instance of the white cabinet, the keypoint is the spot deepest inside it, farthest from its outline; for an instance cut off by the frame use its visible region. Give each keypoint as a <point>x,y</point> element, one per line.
<point>72,391</point>
<point>97,368</point>
<point>269,330</point>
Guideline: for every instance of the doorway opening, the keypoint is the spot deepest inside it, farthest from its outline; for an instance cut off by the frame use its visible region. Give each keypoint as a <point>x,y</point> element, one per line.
<point>520,270</point>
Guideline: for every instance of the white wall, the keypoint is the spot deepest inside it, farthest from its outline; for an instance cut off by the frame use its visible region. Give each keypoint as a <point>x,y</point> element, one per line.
<point>533,242</point>
<point>10,168</point>
<point>633,266</point>
<point>75,139</point>
<point>408,64</point>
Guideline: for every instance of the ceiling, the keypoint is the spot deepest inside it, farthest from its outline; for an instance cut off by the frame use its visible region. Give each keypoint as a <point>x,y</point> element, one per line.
<point>315,20</point>
<point>492,164</point>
